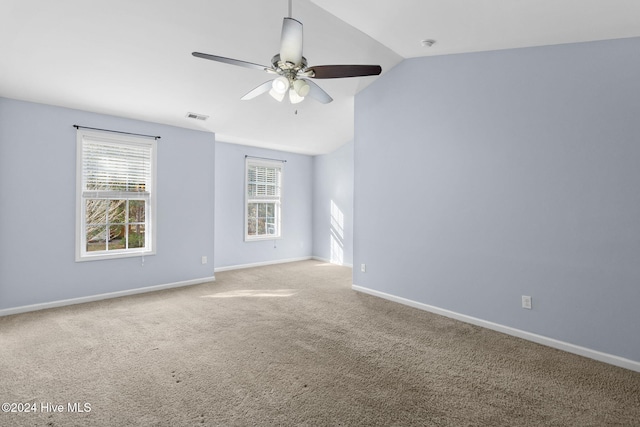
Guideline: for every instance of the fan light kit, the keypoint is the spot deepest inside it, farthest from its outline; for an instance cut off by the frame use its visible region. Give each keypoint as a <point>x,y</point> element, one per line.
<point>291,68</point>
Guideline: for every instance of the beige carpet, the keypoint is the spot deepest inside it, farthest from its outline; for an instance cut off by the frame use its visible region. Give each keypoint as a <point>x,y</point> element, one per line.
<point>292,345</point>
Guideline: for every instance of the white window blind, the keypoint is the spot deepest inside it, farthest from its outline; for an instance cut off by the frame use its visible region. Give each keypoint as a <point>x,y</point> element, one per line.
<point>115,168</point>
<point>264,182</point>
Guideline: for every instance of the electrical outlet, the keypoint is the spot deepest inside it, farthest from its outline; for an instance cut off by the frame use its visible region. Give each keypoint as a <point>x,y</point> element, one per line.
<point>363,268</point>
<point>204,259</point>
<point>526,302</point>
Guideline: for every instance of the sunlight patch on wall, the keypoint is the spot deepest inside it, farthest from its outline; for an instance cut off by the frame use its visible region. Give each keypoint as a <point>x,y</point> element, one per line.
<point>336,235</point>
<point>337,220</point>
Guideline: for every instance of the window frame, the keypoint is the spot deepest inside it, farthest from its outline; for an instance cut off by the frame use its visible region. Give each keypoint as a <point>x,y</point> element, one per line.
<point>81,253</point>
<point>276,164</point>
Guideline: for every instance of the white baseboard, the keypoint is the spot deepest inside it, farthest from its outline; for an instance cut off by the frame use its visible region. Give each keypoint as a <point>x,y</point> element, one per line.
<point>260,264</point>
<point>540,339</point>
<point>328,261</point>
<point>91,298</point>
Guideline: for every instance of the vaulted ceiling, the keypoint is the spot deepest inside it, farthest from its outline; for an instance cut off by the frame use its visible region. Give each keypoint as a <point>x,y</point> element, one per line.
<point>133,58</point>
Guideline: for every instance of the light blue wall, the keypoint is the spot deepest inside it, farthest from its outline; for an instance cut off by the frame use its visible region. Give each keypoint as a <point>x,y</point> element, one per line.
<point>230,247</point>
<point>333,206</point>
<point>37,212</point>
<point>483,177</point>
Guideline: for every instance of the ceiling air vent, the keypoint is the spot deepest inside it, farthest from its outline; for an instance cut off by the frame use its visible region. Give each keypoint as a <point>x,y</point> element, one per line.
<point>197,116</point>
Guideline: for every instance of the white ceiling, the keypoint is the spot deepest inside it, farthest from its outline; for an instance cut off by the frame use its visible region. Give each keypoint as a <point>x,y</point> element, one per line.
<point>133,58</point>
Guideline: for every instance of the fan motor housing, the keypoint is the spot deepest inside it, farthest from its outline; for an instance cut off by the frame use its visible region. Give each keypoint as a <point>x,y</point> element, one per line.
<point>288,67</point>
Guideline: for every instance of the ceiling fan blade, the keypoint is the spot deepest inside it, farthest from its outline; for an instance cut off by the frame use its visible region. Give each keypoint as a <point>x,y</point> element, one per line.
<point>231,61</point>
<point>317,93</point>
<point>291,41</point>
<point>339,71</point>
<point>264,87</point>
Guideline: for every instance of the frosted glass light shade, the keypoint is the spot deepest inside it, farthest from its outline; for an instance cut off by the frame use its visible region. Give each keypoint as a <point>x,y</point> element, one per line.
<point>301,87</point>
<point>276,95</point>
<point>294,97</point>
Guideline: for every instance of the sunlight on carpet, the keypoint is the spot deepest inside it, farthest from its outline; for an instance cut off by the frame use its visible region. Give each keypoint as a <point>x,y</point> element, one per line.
<point>254,293</point>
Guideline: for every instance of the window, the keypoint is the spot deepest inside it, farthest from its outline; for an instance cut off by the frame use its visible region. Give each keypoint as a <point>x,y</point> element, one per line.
<point>263,199</point>
<point>115,195</point>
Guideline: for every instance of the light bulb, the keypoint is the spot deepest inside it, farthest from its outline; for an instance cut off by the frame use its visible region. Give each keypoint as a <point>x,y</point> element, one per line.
<point>280,85</point>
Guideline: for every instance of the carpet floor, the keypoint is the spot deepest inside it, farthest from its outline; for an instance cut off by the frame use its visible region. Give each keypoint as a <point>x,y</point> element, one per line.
<point>291,345</point>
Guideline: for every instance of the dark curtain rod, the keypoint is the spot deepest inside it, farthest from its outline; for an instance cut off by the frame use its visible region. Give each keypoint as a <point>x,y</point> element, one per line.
<point>264,158</point>
<point>116,131</point>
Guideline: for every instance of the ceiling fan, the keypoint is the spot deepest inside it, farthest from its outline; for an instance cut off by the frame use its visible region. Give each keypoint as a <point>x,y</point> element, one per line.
<point>292,71</point>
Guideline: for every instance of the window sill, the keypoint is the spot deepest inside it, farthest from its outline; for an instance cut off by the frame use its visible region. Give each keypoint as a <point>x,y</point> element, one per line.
<point>261,238</point>
<point>115,255</point>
